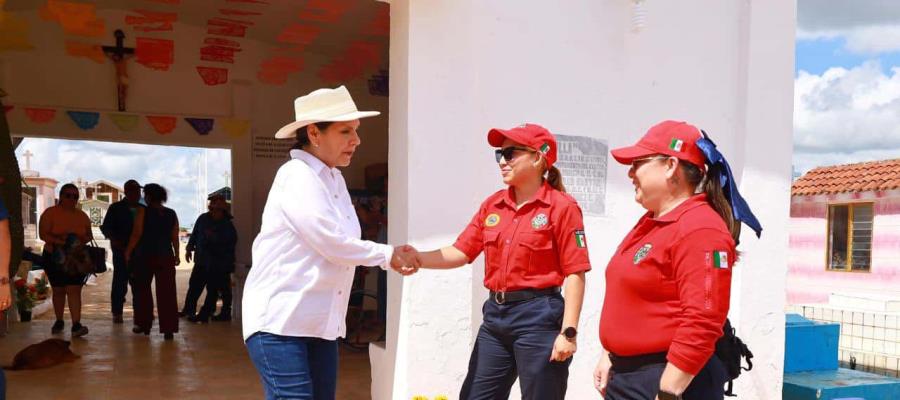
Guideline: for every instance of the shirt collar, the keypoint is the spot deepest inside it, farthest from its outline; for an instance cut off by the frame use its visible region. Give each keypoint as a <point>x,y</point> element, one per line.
<point>542,196</point>
<point>316,164</point>
<point>674,215</point>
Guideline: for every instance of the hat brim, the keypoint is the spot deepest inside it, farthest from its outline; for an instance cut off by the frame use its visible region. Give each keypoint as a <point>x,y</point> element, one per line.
<point>290,130</point>
<point>497,136</point>
<point>625,155</point>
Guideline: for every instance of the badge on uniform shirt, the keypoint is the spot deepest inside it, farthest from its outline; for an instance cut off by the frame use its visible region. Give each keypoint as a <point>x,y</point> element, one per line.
<point>539,221</point>
<point>492,220</point>
<point>718,259</point>
<point>642,253</point>
<point>580,239</point>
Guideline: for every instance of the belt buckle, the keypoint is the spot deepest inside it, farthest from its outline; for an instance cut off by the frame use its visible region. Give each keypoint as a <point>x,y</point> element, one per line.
<point>500,297</point>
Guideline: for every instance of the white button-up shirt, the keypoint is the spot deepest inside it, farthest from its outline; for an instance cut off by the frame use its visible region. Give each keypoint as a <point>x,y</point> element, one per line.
<point>305,254</point>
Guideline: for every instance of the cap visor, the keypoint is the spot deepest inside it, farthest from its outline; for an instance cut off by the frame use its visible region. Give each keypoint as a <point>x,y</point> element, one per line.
<point>497,136</point>
<point>290,130</point>
<point>625,155</point>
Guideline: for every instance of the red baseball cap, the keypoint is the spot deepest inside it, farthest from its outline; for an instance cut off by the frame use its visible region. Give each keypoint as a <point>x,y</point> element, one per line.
<point>672,138</point>
<point>532,135</point>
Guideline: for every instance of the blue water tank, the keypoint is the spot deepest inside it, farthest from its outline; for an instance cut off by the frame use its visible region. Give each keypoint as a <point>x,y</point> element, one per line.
<point>809,345</point>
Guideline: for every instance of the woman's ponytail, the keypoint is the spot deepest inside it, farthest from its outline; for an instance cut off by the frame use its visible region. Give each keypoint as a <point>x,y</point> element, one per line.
<point>554,178</point>
<point>715,196</point>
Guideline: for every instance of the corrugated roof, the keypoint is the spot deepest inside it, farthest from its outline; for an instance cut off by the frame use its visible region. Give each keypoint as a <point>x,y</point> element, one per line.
<point>859,177</point>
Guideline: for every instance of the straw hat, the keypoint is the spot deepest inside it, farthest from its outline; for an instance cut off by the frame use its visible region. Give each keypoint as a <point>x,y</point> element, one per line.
<point>323,105</point>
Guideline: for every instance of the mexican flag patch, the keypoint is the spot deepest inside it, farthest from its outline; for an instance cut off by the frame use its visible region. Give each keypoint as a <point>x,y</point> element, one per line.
<point>676,144</point>
<point>545,148</point>
<point>720,259</point>
<point>580,239</point>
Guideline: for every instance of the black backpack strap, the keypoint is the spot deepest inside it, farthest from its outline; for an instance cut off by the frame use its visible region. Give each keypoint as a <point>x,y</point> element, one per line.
<point>729,391</point>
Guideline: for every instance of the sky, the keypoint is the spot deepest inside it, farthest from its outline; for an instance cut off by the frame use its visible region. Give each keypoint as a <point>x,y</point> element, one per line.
<point>847,82</point>
<point>175,168</point>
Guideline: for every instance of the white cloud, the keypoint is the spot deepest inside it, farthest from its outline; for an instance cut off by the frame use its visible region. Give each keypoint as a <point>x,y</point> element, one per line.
<point>844,116</point>
<point>175,168</point>
<point>868,26</point>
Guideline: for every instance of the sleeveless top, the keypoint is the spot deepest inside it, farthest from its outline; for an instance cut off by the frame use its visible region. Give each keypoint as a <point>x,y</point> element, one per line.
<point>156,240</point>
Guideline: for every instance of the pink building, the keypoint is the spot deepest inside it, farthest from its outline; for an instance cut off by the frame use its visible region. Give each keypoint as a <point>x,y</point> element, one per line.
<point>845,232</point>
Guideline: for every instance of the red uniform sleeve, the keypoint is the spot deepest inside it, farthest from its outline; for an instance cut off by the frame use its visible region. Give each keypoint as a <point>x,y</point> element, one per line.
<point>471,240</point>
<point>702,263</point>
<point>571,241</point>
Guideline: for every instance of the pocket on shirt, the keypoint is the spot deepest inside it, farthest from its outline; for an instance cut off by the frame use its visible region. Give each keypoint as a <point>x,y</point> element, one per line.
<point>538,255</point>
<point>491,247</point>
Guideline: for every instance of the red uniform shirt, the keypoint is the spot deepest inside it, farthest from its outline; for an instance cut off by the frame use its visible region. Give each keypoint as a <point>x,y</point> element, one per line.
<point>534,247</point>
<point>668,286</point>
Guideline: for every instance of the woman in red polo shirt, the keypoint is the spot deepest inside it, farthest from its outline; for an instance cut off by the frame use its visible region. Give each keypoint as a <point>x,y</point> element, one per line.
<point>670,278</point>
<point>532,235</point>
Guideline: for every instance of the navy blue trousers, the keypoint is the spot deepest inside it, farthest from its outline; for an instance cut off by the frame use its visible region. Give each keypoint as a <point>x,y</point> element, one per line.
<point>643,384</point>
<point>516,340</point>
<point>295,368</point>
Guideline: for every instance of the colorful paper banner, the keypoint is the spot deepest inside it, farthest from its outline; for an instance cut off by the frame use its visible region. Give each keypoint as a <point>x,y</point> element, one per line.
<point>13,32</point>
<point>125,122</point>
<point>162,125</point>
<point>75,18</point>
<point>275,70</point>
<point>92,52</point>
<point>235,127</point>
<point>151,21</point>
<point>202,125</point>
<point>213,76</point>
<point>40,115</point>
<point>157,54</point>
<point>325,10</point>
<point>300,34</point>
<point>83,119</point>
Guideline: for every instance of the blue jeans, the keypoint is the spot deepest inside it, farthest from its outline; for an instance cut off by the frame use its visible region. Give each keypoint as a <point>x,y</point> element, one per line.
<point>295,368</point>
<point>516,340</point>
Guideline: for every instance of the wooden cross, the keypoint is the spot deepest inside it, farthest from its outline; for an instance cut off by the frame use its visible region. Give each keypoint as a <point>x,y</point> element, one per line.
<point>118,54</point>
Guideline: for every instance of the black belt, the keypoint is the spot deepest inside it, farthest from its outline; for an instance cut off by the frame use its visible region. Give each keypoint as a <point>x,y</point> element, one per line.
<point>625,364</point>
<point>522,295</point>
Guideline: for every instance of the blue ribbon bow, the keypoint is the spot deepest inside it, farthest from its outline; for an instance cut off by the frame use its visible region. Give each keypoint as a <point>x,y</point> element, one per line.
<point>739,207</point>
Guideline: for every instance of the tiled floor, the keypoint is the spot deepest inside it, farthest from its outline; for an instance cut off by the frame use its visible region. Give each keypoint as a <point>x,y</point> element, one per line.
<point>203,362</point>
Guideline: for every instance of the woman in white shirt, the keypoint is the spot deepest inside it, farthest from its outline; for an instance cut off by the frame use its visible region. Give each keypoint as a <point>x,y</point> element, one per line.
<point>296,295</point>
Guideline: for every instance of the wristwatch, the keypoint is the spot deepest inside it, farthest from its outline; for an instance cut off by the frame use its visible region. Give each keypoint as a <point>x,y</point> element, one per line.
<point>570,333</point>
<point>663,395</point>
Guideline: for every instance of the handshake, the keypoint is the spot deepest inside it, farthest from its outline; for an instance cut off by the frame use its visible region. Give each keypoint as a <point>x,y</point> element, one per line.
<point>406,260</point>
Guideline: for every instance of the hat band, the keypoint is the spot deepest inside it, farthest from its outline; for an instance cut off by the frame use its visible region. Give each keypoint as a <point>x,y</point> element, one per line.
<point>325,112</point>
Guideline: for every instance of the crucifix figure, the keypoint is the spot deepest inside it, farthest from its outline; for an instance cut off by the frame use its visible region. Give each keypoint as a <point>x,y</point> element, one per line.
<point>119,54</point>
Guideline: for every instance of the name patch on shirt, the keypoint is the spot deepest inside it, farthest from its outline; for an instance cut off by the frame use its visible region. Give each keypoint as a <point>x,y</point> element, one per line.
<point>642,253</point>
<point>492,220</point>
<point>580,239</point>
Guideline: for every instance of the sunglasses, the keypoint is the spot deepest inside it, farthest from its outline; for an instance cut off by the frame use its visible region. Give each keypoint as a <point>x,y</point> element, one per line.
<point>635,164</point>
<point>506,153</point>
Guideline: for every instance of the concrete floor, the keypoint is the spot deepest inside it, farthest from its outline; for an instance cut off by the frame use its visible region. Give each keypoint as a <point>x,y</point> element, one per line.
<point>203,362</point>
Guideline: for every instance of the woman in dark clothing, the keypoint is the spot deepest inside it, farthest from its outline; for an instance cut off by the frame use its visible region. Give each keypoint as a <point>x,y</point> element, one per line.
<point>215,253</point>
<point>151,255</point>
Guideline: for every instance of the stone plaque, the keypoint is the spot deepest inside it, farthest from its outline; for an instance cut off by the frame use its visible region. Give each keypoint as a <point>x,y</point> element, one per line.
<point>582,161</point>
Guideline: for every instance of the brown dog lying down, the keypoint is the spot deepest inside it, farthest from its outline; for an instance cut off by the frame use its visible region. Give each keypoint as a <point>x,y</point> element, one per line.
<point>43,355</point>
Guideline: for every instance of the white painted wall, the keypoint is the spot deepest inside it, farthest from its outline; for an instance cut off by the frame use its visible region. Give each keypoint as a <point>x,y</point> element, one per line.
<point>460,68</point>
<point>47,77</point>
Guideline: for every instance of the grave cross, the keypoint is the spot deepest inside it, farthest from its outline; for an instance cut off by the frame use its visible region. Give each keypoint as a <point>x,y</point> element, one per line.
<point>118,54</point>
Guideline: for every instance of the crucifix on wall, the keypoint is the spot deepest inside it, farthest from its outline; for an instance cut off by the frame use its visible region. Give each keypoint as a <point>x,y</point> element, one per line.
<point>119,54</point>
